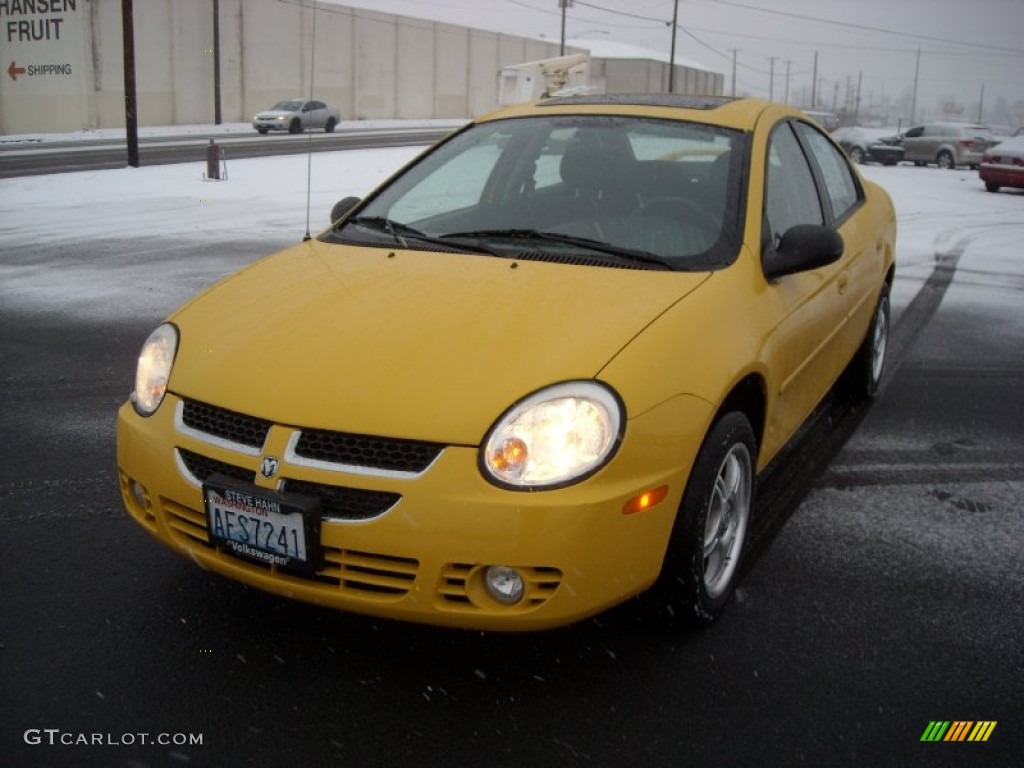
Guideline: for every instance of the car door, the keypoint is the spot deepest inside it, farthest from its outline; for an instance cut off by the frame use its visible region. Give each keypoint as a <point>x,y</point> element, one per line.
<point>802,349</point>
<point>315,114</point>
<point>912,142</point>
<point>862,261</point>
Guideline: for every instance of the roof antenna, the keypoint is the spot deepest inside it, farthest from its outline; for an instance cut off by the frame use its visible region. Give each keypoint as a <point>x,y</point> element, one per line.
<point>309,151</point>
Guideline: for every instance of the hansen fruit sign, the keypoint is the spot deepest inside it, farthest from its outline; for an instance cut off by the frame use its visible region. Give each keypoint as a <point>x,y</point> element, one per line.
<point>27,25</point>
<point>44,64</point>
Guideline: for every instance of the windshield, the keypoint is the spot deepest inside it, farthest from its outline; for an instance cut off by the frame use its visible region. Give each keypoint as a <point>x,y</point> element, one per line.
<point>657,193</point>
<point>287,106</point>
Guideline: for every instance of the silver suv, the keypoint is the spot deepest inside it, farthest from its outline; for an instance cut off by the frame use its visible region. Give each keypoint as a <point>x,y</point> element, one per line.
<point>946,144</point>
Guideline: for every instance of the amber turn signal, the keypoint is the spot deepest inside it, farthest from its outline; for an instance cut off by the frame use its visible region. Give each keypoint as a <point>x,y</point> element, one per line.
<point>645,500</point>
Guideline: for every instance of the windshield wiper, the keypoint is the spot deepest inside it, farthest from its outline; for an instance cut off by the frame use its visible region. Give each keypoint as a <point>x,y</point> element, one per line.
<point>399,232</point>
<point>630,254</point>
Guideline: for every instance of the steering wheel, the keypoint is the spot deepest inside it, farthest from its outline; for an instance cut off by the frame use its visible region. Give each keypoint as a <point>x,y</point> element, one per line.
<point>685,213</point>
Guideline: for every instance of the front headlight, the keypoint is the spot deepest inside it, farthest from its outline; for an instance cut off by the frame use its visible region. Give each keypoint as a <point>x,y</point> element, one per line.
<point>154,369</point>
<point>554,437</point>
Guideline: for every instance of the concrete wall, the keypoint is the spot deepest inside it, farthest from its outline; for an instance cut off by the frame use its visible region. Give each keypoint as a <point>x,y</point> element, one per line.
<point>371,65</point>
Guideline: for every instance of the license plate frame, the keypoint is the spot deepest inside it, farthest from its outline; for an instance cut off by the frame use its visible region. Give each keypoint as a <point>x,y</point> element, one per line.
<point>263,525</point>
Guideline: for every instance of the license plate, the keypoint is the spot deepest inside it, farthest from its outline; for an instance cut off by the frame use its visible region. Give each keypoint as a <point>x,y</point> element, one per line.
<point>259,524</point>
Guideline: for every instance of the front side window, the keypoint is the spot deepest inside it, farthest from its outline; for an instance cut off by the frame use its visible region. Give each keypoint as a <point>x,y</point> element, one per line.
<point>577,188</point>
<point>791,196</point>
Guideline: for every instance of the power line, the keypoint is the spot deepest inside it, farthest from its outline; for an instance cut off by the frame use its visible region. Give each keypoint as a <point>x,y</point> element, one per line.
<point>868,28</point>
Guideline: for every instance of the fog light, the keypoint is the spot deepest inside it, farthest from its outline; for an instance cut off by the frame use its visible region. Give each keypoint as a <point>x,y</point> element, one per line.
<point>138,494</point>
<point>504,584</point>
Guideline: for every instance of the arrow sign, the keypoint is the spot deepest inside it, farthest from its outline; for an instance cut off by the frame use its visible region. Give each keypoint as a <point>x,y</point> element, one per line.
<point>14,70</point>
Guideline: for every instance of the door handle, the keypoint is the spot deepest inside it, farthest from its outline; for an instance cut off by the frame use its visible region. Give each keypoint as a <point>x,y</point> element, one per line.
<point>843,282</point>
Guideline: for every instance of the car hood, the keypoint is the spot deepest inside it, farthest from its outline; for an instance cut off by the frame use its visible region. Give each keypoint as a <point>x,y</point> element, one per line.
<point>272,113</point>
<point>420,345</point>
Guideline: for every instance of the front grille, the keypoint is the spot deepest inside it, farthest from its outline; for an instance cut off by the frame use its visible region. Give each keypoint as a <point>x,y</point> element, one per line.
<point>339,503</point>
<point>375,575</point>
<point>369,575</point>
<point>202,467</point>
<point>381,453</point>
<point>225,424</point>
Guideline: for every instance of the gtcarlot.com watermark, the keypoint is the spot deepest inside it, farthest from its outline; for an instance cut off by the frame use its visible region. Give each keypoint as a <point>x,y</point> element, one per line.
<point>56,737</point>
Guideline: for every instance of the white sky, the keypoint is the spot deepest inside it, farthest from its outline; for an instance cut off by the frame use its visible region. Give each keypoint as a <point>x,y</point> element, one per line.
<point>262,207</point>
<point>965,44</point>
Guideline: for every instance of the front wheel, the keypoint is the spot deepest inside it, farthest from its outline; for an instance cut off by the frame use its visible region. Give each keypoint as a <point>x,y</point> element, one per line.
<point>991,186</point>
<point>868,364</point>
<point>857,155</point>
<point>295,126</point>
<point>706,547</point>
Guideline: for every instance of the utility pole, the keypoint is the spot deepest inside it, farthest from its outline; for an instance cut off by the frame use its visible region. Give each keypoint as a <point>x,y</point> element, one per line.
<point>216,62</point>
<point>771,78</point>
<point>913,99</point>
<point>131,117</point>
<point>563,4</point>
<point>734,52</point>
<point>814,82</point>
<point>672,57</point>
<point>856,104</point>
<point>981,101</point>
<point>786,99</point>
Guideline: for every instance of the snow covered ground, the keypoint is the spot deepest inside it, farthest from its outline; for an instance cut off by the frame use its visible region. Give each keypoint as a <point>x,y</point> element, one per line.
<point>146,214</point>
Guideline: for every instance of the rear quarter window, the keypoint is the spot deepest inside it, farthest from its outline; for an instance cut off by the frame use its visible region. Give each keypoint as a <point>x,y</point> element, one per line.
<point>840,185</point>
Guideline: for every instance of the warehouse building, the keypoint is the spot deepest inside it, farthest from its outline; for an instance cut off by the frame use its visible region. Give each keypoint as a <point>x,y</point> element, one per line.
<point>64,63</point>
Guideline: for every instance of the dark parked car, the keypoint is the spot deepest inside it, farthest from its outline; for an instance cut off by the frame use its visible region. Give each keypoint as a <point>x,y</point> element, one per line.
<point>869,145</point>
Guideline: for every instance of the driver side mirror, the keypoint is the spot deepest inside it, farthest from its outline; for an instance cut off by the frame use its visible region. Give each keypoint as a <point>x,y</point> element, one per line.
<point>342,207</point>
<point>803,247</point>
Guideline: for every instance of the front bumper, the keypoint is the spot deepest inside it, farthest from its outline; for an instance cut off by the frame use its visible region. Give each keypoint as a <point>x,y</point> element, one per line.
<point>422,558</point>
<point>885,153</point>
<point>270,124</point>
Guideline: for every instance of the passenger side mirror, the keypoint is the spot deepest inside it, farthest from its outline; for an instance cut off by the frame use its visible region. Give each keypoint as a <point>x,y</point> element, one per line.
<point>802,248</point>
<point>342,207</point>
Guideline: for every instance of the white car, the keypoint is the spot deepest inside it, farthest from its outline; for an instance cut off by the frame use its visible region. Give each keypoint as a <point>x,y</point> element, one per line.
<point>296,115</point>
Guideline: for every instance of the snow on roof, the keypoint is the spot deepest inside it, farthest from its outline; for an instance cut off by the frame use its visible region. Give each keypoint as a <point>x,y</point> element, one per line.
<point>609,49</point>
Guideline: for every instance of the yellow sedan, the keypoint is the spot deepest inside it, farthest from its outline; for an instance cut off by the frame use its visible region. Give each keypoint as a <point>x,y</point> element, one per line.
<point>535,373</point>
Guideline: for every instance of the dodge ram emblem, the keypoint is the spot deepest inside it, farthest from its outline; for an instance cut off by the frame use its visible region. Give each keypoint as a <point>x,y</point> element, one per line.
<point>269,466</point>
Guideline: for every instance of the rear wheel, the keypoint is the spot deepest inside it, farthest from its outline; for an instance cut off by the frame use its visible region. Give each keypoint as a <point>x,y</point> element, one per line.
<point>945,160</point>
<point>706,548</point>
<point>991,186</point>
<point>857,154</point>
<point>329,128</point>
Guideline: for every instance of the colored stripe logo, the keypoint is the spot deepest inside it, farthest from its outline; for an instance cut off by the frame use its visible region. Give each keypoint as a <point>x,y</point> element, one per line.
<point>958,730</point>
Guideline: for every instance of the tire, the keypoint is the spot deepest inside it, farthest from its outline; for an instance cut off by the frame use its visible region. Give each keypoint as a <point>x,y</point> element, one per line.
<point>868,365</point>
<point>991,186</point>
<point>329,128</point>
<point>706,548</point>
<point>295,126</point>
<point>857,155</point>
<point>945,160</point>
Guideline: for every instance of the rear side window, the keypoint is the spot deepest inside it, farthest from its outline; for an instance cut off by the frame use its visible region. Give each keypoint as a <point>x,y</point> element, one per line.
<point>841,187</point>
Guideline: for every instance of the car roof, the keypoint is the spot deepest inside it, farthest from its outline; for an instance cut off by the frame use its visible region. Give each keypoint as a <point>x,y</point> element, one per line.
<point>739,113</point>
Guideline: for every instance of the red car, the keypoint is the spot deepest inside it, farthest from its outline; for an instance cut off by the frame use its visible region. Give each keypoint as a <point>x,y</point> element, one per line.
<point>1003,165</point>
